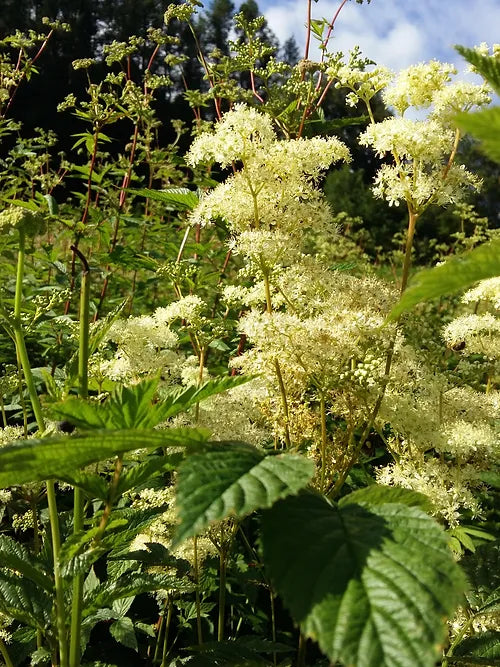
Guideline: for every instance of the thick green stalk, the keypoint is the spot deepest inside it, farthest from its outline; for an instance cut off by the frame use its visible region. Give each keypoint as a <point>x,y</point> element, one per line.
<point>5,654</point>
<point>167,632</point>
<point>37,410</point>
<point>197,590</point>
<point>222,591</point>
<point>322,407</point>
<point>83,357</point>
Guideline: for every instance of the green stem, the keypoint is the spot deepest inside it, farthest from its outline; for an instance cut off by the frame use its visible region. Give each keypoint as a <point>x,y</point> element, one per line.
<point>2,408</point>
<point>19,335</point>
<point>301,651</point>
<point>222,591</point>
<point>197,590</point>
<point>457,640</point>
<point>201,366</point>
<point>5,654</point>
<point>156,656</point>
<point>83,356</point>
<point>167,632</point>
<point>412,220</point>
<point>322,408</point>
<point>37,410</point>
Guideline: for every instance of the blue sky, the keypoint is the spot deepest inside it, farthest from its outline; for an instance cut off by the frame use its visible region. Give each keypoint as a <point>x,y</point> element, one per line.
<point>395,33</point>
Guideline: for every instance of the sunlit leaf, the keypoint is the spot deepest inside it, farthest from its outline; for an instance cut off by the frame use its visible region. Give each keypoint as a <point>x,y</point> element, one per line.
<point>372,584</point>
<point>38,459</point>
<point>234,479</point>
<point>176,199</point>
<point>485,126</point>
<point>456,274</point>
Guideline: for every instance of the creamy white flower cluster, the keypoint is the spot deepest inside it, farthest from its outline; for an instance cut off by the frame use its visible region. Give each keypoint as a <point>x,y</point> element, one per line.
<point>144,346</point>
<point>478,332</point>
<point>422,151</point>
<point>274,190</point>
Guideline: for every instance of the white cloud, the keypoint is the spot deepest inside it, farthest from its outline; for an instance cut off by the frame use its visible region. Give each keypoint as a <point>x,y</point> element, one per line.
<point>395,33</point>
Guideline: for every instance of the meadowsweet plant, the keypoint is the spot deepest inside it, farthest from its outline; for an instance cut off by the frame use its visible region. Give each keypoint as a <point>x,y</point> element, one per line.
<point>219,444</point>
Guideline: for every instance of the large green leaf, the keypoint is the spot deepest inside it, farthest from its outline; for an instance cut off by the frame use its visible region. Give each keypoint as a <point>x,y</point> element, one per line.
<point>456,274</point>
<point>485,126</point>
<point>16,557</point>
<point>372,584</point>
<point>127,407</point>
<point>38,459</point>
<point>376,494</point>
<point>234,479</point>
<point>146,470</point>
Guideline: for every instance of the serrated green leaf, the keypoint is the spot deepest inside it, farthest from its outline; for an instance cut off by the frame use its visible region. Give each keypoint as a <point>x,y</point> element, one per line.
<point>153,466</point>
<point>487,66</point>
<point>94,485</point>
<point>133,407</point>
<point>483,574</point>
<point>39,459</point>
<point>129,585</point>
<point>16,557</point>
<point>181,400</point>
<point>484,645</point>
<point>91,581</point>
<point>127,407</point>
<point>456,274</point>
<point>485,126</point>
<point>234,479</point>
<point>123,631</point>
<point>377,494</point>
<point>176,199</point>
<point>23,600</point>
<point>121,607</point>
<point>371,584</point>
